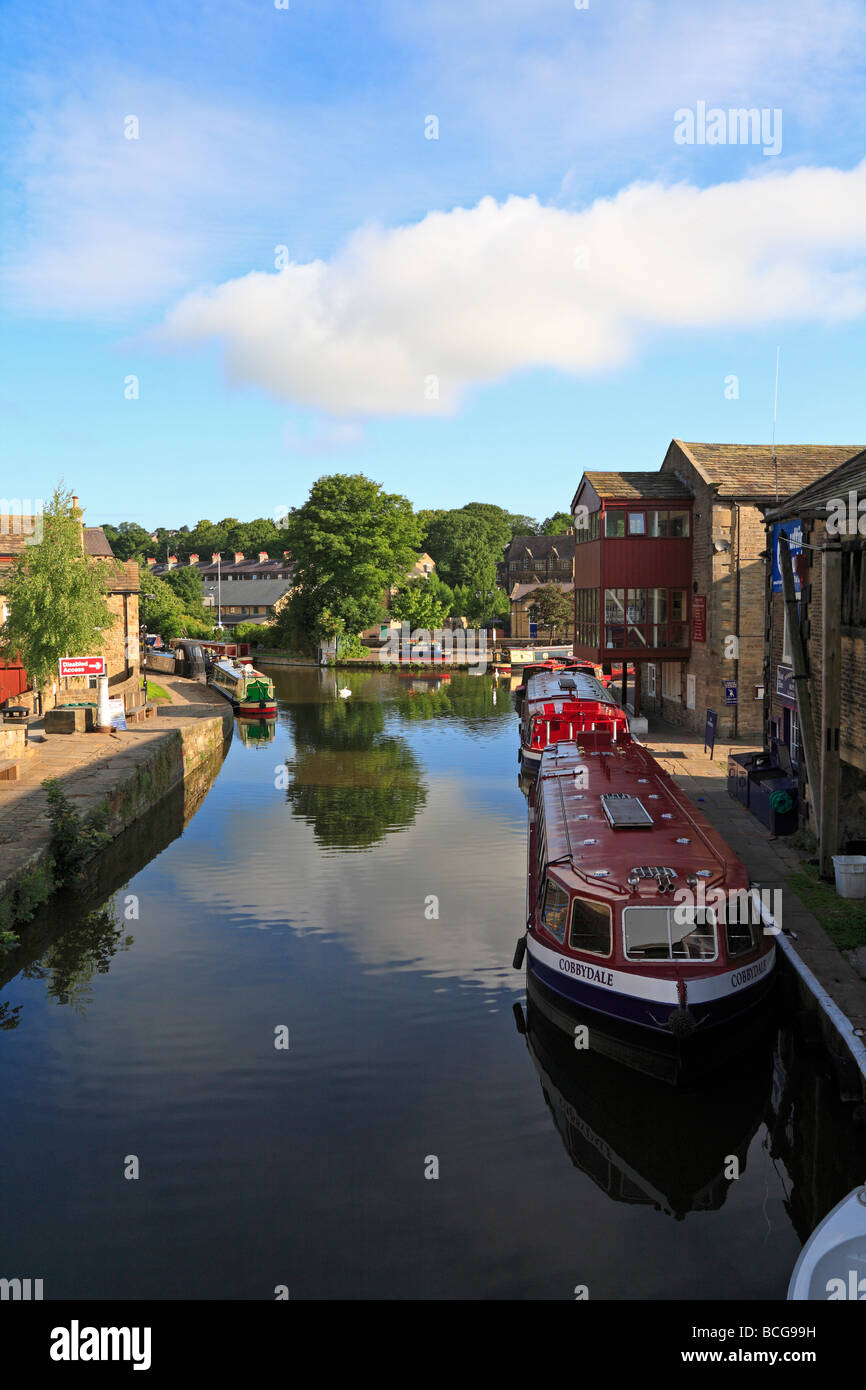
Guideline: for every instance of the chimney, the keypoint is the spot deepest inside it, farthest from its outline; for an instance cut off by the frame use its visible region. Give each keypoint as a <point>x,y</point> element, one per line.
<point>193,559</point>
<point>238,557</point>
<point>214,557</point>
<point>263,555</point>
<point>172,561</point>
<point>151,560</point>
<point>74,502</point>
<point>287,555</point>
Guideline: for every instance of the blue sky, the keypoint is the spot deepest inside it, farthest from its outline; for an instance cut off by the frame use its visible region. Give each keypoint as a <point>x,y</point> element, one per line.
<point>303,282</point>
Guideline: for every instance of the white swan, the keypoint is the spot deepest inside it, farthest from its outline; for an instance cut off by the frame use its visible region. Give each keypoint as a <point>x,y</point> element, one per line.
<point>345,692</point>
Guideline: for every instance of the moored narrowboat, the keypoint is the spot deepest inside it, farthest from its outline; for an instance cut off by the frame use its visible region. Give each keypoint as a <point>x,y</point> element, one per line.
<point>250,691</point>
<point>637,911</point>
<point>562,706</point>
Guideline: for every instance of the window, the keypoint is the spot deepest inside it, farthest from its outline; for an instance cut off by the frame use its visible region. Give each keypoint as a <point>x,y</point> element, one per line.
<point>555,910</point>
<point>636,524</point>
<point>657,523</point>
<point>741,933</point>
<point>614,524</point>
<point>590,928</point>
<point>658,617</point>
<point>614,617</point>
<point>669,933</point>
<point>671,683</point>
<point>651,680</point>
<point>679,524</point>
<point>635,618</point>
<point>679,634</point>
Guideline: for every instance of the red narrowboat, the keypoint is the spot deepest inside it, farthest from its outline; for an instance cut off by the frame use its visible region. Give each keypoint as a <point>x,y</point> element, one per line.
<point>638,914</point>
<point>563,705</point>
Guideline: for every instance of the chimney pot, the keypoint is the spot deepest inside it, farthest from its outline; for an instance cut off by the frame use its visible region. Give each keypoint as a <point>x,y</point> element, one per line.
<point>238,557</point>
<point>193,559</point>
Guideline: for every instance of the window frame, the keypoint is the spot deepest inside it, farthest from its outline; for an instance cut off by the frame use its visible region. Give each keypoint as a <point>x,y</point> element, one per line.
<point>605,907</point>
<point>670,959</point>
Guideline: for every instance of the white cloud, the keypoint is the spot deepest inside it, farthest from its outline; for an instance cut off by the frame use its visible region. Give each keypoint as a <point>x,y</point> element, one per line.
<point>473,295</point>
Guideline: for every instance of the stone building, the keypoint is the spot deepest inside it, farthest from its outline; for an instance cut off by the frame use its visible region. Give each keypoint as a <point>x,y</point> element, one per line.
<point>527,563</point>
<point>718,624</point>
<point>828,552</point>
<point>247,589</point>
<point>119,644</point>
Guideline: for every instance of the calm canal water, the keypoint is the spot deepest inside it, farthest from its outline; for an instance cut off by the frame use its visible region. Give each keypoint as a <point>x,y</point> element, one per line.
<point>298,895</point>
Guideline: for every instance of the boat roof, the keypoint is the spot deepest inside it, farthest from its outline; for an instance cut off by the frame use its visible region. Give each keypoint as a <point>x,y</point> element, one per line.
<point>609,807</point>
<point>567,685</point>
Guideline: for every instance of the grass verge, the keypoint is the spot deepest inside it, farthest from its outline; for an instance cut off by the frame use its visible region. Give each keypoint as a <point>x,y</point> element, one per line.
<point>843,919</point>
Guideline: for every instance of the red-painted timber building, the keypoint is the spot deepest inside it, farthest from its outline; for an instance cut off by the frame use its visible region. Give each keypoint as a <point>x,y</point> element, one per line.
<point>632,569</point>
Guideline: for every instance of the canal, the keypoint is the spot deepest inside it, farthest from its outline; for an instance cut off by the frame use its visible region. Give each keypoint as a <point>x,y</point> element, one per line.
<point>287,1002</point>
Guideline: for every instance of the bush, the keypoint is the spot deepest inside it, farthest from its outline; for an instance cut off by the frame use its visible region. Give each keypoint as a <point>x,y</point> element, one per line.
<point>351,648</point>
<point>73,840</point>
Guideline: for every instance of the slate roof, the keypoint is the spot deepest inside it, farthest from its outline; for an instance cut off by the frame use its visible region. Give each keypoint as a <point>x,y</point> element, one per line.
<point>851,475</point>
<point>541,547</point>
<point>96,542</point>
<point>252,594</point>
<point>747,470</point>
<point>637,486</point>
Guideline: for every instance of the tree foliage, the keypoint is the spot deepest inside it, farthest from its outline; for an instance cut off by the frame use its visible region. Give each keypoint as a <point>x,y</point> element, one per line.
<point>552,609</point>
<point>57,596</point>
<point>556,525</point>
<point>351,542</point>
<point>423,603</point>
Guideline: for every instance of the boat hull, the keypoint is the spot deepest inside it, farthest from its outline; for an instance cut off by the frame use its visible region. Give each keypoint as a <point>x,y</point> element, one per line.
<point>265,710</point>
<point>646,1002</point>
<point>654,1052</point>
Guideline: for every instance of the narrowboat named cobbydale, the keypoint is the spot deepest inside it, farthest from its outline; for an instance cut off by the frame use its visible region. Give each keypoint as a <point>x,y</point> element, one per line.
<point>638,914</point>
<point>562,706</point>
<point>250,691</point>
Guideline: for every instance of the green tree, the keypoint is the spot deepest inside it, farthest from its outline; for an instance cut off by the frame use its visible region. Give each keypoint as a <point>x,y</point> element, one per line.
<point>556,525</point>
<point>162,607</point>
<point>187,583</point>
<point>552,609</point>
<point>351,542</point>
<point>421,605</point>
<point>56,595</point>
<point>129,541</point>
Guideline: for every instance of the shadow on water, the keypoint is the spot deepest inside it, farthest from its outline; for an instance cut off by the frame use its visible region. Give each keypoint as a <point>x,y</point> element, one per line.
<point>76,933</point>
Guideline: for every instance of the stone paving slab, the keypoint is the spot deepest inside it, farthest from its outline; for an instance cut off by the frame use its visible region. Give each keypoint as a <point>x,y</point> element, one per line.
<point>89,765</point>
<point>769,860</point>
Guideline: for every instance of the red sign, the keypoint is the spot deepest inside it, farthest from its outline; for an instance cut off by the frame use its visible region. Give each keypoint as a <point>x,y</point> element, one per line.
<point>699,618</point>
<point>82,666</point>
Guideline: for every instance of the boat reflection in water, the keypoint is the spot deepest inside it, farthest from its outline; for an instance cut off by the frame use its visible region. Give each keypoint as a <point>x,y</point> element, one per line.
<point>640,1140</point>
<point>256,732</point>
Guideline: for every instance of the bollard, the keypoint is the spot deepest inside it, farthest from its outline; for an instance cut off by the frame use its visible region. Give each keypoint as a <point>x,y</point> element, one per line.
<point>103,718</point>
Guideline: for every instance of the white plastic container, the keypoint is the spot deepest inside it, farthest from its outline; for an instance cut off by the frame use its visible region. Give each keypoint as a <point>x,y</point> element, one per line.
<point>850,872</point>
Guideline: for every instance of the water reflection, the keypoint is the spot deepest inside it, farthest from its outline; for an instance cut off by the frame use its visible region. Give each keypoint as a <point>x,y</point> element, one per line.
<point>256,733</point>
<point>77,932</point>
<point>348,779</point>
<point>641,1141</point>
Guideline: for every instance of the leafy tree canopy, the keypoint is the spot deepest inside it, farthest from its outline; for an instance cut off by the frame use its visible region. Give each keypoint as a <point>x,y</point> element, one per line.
<point>57,596</point>
<point>351,542</point>
<point>556,525</point>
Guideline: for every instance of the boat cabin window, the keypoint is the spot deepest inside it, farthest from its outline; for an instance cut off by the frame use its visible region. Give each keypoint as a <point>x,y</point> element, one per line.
<point>590,927</point>
<point>741,933</point>
<point>669,933</point>
<point>555,910</point>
